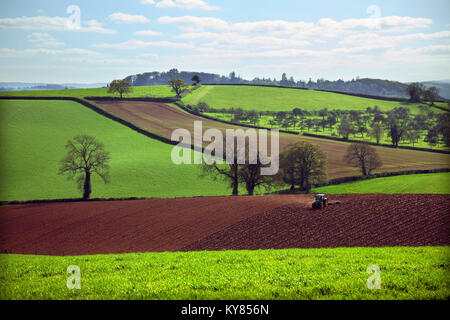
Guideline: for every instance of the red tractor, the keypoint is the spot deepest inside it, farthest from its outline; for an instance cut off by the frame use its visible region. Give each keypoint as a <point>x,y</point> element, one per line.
<point>321,201</point>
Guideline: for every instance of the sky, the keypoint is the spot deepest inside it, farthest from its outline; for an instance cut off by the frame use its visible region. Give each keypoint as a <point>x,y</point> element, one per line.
<point>97,41</point>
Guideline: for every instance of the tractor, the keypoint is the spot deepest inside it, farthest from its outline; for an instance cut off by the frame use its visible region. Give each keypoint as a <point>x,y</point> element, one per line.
<point>321,201</point>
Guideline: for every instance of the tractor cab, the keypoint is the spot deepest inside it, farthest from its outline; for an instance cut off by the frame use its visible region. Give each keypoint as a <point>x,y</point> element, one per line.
<point>320,202</point>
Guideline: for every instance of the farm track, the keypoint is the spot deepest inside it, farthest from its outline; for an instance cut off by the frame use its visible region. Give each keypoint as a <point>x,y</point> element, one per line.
<point>218,223</point>
<point>162,119</point>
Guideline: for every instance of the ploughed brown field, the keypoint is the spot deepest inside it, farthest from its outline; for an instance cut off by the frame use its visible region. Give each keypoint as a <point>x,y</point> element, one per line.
<point>218,223</point>
<point>163,119</point>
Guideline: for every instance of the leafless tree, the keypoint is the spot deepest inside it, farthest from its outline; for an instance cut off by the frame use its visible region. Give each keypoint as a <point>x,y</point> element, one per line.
<point>363,156</point>
<point>85,156</point>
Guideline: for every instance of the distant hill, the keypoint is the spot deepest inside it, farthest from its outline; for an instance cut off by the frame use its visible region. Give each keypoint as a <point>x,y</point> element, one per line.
<point>14,86</point>
<point>367,86</point>
<point>443,86</point>
<point>161,78</point>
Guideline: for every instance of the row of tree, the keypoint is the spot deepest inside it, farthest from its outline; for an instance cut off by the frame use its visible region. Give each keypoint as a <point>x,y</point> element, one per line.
<point>302,166</point>
<point>179,87</point>
<point>398,124</point>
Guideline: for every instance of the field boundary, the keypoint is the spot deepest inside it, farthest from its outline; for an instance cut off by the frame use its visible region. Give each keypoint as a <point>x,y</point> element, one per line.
<point>37,201</point>
<point>338,181</point>
<point>354,94</point>
<point>108,115</point>
<point>306,134</point>
<point>374,144</point>
<point>144,99</point>
<point>181,106</point>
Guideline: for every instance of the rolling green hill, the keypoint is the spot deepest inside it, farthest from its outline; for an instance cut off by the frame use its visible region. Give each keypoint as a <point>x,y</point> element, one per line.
<point>282,99</point>
<point>415,183</point>
<point>34,133</point>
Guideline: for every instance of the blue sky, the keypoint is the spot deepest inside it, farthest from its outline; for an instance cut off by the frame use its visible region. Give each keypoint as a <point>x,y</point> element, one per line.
<point>43,41</point>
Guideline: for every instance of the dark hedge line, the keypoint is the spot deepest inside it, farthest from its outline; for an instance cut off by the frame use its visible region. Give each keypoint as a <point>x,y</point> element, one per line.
<point>14,202</point>
<point>361,95</point>
<point>380,175</point>
<point>102,112</point>
<point>374,144</point>
<point>181,105</point>
<point>441,108</point>
<point>253,85</point>
<point>375,97</point>
<point>145,99</point>
<point>342,180</point>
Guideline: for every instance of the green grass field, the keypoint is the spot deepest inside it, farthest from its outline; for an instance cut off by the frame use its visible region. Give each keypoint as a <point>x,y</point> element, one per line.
<point>33,135</point>
<point>415,183</point>
<point>281,99</point>
<point>138,92</point>
<point>405,272</point>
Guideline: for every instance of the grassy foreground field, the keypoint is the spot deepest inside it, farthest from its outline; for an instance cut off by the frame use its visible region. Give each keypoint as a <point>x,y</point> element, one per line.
<point>34,133</point>
<point>406,273</point>
<point>435,183</point>
<point>281,99</point>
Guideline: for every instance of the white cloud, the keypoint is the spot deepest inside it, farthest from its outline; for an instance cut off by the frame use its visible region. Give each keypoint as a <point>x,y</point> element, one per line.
<point>374,40</point>
<point>137,44</point>
<point>435,49</point>
<point>324,27</point>
<point>120,17</point>
<point>146,56</point>
<point>44,40</point>
<point>33,53</point>
<point>238,40</point>
<point>184,4</point>
<point>191,23</point>
<point>147,33</point>
<point>48,24</point>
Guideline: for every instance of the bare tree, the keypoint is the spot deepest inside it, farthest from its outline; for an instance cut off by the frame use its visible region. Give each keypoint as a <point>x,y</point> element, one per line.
<point>229,172</point>
<point>431,94</point>
<point>377,131</point>
<point>345,128</point>
<point>85,156</point>
<point>178,86</point>
<point>413,136</point>
<point>363,156</point>
<point>250,175</point>
<point>120,87</point>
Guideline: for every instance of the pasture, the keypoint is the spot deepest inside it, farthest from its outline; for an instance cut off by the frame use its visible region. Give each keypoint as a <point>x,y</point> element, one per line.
<point>138,92</point>
<point>33,136</point>
<point>341,273</point>
<point>433,183</point>
<point>283,99</point>
<point>163,119</point>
